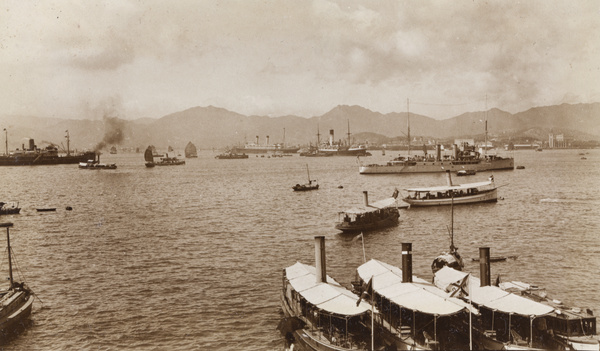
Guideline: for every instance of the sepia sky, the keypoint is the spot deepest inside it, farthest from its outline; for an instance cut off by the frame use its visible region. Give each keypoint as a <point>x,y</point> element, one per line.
<point>132,59</point>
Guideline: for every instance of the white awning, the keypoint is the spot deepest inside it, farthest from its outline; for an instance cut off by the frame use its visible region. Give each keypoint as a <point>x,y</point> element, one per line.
<point>419,295</point>
<point>491,297</point>
<point>375,206</point>
<point>330,296</point>
<point>444,188</point>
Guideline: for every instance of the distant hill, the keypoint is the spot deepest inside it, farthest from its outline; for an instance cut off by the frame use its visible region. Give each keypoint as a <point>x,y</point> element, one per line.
<point>213,127</point>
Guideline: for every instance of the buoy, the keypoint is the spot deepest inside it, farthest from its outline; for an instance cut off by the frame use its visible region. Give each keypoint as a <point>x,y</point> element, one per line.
<point>340,187</point>
<point>69,208</point>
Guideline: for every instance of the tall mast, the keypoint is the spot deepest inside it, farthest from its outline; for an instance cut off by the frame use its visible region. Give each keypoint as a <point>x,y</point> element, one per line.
<point>486,132</point>
<point>408,124</point>
<point>6,140</point>
<point>8,225</point>
<point>68,141</point>
<point>349,132</point>
<point>283,137</point>
<point>318,137</point>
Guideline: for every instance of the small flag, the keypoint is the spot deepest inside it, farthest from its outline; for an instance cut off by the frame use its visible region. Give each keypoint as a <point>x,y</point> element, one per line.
<point>367,292</point>
<point>460,287</point>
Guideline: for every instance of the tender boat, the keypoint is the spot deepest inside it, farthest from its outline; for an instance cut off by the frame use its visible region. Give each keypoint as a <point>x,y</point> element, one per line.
<point>231,156</point>
<point>510,321</point>
<point>93,164</point>
<point>457,194</point>
<point>380,214</point>
<point>311,185</point>
<point>464,172</point>
<point>9,208</point>
<point>319,313</point>
<point>169,161</point>
<point>415,315</point>
<point>16,302</point>
<point>575,326</point>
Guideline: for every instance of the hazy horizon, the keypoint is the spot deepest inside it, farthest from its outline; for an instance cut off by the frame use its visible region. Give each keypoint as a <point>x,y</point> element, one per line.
<point>148,59</point>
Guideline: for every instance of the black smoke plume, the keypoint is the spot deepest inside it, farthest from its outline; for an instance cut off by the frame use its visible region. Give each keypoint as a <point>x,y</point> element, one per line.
<point>113,132</point>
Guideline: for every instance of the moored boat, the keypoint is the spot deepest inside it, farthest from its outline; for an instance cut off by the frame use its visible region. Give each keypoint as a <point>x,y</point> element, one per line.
<point>463,172</point>
<point>231,156</point>
<point>95,164</point>
<point>311,185</point>
<point>414,314</point>
<point>453,194</point>
<point>169,161</point>
<point>512,321</point>
<point>319,313</point>
<point>31,155</point>
<point>380,214</point>
<point>9,208</point>
<point>16,302</point>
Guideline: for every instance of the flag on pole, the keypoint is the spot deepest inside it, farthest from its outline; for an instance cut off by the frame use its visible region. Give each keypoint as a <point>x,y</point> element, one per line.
<point>367,292</point>
<point>459,289</point>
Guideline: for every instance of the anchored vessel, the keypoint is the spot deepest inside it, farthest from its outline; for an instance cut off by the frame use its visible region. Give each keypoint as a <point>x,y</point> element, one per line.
<point>379,214</point>
<point>31,155</point>
<point>256,148</point>
<point>320,314</point>
<point>311,185</point>
<point>414,314</point>
<point>190,151</point>
<point>15,302</point>
<point>453,194</point>
<point>9,208</point>
<point>466,159</point>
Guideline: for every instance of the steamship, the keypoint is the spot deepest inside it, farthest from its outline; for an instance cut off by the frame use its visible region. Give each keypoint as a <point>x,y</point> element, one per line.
<point>467,159</point>
<point>256,148</point>
<point>339,149</point>
<point>31,155</point>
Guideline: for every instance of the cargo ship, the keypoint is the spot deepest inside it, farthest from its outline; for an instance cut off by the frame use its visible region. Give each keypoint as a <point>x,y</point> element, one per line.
<point>31,155</point>
<point>256,148</point>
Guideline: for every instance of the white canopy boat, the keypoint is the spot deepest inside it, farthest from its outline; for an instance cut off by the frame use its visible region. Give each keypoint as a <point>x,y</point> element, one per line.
<point>416,314</point>
<point>458,194</point>
<point>320,314</point>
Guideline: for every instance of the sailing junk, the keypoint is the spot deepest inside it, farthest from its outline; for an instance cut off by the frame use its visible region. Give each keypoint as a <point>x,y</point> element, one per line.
<point>190,151</point>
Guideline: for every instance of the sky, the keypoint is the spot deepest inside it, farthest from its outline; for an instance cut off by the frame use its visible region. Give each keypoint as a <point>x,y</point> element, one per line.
<point>133,59</point>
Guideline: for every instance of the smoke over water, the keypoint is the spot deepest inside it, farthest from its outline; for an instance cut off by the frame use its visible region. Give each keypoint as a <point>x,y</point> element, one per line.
<point>113,132</point>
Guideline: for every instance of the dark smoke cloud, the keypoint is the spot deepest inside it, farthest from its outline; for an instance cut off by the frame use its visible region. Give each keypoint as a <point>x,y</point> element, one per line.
<point>113,132</point>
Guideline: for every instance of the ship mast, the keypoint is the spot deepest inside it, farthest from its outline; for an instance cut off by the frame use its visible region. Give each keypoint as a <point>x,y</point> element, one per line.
<point>318,138</point>
<point>8,225</point>
<point>6,140</point>
<point>349,132</point>
<point>284,137</point>
<point>486,132</point>
<point>68,142</point>
<point>408,124</point>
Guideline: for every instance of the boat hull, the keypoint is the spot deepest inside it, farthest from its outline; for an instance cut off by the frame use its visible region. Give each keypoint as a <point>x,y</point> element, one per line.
<point>352,227</point>
<point>264,150</point>
<point>19,312</point>
<point>437,166</point>
<point>41,159</point>
<point>482,197</point>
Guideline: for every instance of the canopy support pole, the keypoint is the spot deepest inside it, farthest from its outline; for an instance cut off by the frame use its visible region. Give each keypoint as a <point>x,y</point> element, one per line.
<point>531,330</point>
<point>509,328</point>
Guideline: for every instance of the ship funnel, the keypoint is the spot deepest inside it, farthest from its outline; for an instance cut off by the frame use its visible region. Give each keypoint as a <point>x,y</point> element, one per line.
<point>448,178</point>
<point>331,137</point>
<point>455,149</point>
<point>320,259</point>
<point>257,140</point>
<point>407,262</point>
<point>366,196</point>
<point>438,149</point>
<point>267,140</point>
<point>484,266</point>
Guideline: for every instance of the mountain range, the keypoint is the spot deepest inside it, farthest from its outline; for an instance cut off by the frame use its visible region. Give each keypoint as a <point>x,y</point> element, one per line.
<point>213,127</point>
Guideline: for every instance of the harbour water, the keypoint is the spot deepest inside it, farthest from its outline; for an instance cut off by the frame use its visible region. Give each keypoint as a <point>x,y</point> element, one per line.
<point>191,257</point>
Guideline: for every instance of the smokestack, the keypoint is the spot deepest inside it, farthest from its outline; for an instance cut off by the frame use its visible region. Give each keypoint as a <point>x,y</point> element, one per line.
<point>438,149</point>
<point>267,140</point>
<point>31,144</point>
<point>331,137</point>
<point>448,178</point>
<point>257,140</point>
<point>484,266</point>
<point>455,149</point>
<point>366,196</point>
<point>407,262</point>
<point>320,259</point>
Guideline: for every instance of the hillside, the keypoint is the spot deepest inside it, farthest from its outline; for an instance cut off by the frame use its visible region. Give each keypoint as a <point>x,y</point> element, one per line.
<point>213,127</point>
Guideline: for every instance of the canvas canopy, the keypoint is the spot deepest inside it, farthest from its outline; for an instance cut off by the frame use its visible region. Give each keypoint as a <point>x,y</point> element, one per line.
<point>330,296</point>
<point>491,297</point>
<point>444,188</point>
<point>419,295</point>
<point>372,207</point>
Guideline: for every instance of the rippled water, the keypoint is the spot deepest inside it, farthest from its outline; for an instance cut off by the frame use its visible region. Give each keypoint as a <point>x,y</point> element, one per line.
<point>191,257</point>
